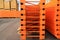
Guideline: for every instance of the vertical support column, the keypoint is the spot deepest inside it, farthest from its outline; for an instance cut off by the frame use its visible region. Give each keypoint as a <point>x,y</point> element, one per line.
<point>23,20</point>
<point>42,19</point>
<point>58,18</point>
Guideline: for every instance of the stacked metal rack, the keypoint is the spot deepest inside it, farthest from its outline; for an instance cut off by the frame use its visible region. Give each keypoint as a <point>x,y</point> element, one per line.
<point>32,21</point>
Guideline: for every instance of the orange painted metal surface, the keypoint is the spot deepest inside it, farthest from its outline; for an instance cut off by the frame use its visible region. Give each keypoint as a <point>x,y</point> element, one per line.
<point>53,18</point>
<point>23,20</point>
<point>8,13</point>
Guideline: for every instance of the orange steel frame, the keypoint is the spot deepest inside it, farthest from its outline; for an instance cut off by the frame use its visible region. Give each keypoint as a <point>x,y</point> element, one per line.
<point>8,14</point>
<point>14,13</point>
<point>53,18</point>
<point>58,19</point>
<point>23,30</point>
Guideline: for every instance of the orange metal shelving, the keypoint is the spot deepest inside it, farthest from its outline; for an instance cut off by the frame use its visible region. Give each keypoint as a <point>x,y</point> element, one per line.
<point>32,21</point>
<point>53,18</point>
<point>32,25</point>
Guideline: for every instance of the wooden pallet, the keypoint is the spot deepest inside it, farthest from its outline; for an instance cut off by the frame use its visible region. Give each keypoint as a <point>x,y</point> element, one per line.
<point>8,5</point>
<point>9,9</point>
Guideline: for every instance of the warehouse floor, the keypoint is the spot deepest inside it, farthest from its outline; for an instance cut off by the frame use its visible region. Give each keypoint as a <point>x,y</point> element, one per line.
<point>8,30</point>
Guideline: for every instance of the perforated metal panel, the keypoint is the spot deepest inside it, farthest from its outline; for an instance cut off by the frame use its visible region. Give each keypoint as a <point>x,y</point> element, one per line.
<point>58,19</point>
<point>52,18</point>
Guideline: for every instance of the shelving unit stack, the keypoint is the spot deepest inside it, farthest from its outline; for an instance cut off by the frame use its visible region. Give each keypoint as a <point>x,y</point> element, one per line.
<point>32,21</point>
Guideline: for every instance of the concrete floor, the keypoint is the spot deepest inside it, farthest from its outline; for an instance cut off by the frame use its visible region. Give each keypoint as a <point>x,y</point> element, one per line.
<point>8,30</point>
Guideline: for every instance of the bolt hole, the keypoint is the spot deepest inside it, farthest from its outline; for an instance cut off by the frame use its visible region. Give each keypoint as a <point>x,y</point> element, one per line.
<point>58,0</point>
<point>43,34</point>
<point>21,24</point>
<point>56,24</point>
<point>22,34</point>
<point>57,34</point>
<point>43,9</point>
<point>43,19</point>
<point>57,4</point>
<point>21,14</point>
<point>57,15</point>
<point>21,8</point>
<point>21,29</point>
<point>43,14</point>
<point>57,29</point>
<point>57,9</point>
<point>43,3</point>
<point>21,19</point>
<point>56,19</point>
<point>21,3</point>
<point>43,24</point>
<point>43,29</point>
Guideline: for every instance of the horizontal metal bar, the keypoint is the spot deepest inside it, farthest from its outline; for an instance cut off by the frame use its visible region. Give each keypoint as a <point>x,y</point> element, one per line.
<point>32,1</point>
